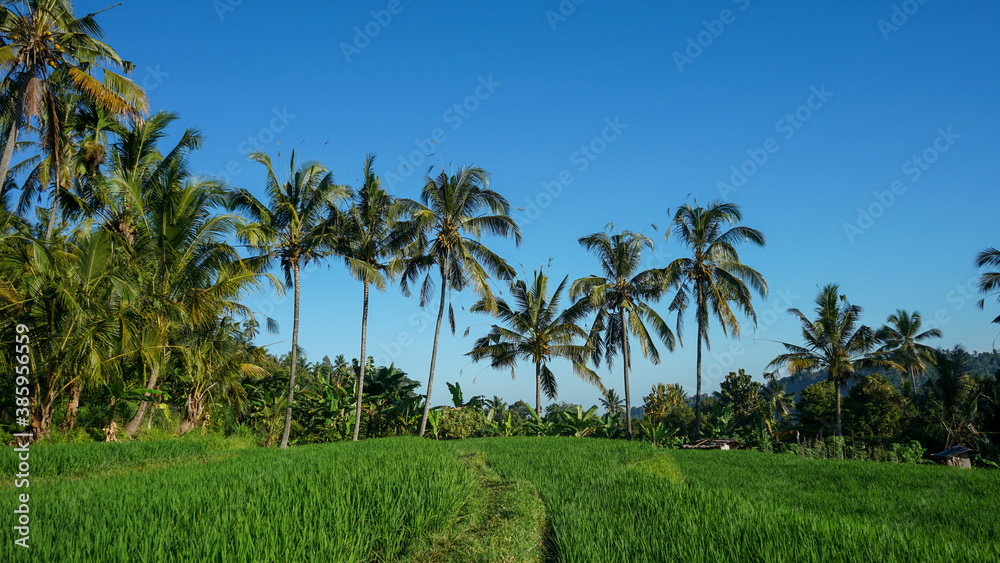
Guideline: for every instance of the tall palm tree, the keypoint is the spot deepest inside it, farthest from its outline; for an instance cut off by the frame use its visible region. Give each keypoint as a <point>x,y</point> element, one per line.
<point>43,39</point>
<point>953,398</point>
<point>621,299</point>
<point>295,229</point>
<point>989,282</point>
<point>713,276</point>
<point>536,331</point>
<point>901,342</point>
<point>372,244</point>
<point>612,402</point>
<point>834,342</point>
<point>454,212</point>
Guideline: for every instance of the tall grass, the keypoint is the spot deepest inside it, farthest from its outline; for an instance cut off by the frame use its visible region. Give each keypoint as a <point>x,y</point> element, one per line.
<point>338,502</point>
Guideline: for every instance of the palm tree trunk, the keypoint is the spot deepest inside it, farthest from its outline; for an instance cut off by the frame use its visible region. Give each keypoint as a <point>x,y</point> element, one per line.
<point>57,173</point>
<point>836,387</point>
<point>697,393</point>
<point>361,378</point>
<point>295,359</point>
<point>73,407</point>
<point>8,148</point>
<point>437,334</point>
<point>913,382</point>
<point>193,407</point>
<point>625,363</point>
<point>538,388</point>
<point>133,425</point>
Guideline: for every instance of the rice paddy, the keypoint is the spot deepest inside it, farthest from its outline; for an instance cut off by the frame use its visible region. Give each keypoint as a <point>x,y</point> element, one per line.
<point>497,499</point>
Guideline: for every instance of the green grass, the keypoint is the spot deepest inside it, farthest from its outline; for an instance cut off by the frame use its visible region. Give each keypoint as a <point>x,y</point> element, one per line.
<point>617,501</point>
<point>339,502</point>
<point>500,499</point>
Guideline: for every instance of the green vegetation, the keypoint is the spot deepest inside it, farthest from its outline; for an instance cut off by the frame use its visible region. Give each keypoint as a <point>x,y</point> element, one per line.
<point>503,499</point>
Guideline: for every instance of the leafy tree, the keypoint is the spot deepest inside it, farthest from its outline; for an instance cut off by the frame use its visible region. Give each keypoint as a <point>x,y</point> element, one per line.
<point>661,400</point>
<point>776,395</point>
<point>294,229</point>
<point>713,276</point>
<point>453,214</point>
<point>535,330</point>
<point>952,399</point>
<point>740,391</point>
<point>817,409</point>
<point>621,298</point>
<point>901,342</point>
<point>834,342</point>
<point>989,281</point>
<point>874,407</point>
<point>371,244</point>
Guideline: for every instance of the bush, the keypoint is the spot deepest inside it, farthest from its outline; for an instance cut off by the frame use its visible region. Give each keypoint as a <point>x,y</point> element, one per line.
<point>462,422</point>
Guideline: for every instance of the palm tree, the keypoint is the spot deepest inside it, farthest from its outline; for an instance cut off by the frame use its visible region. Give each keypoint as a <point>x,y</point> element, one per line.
<point>294,229</point>
<point>713,275</point>
<point>989,282</point>
<point>43,40</point>
<point>168,223</point>
<point>775,393</point>
<point>536,331</point>
<point>371,245</point>
<point>612,402</point>
<point>834,342</point>
<point>621,300</point>
<point>901,342</point>
<point>451,208</point>
<point>953,398</point>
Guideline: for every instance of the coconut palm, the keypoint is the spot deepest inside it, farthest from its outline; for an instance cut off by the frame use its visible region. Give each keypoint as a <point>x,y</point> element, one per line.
<point>953,398</point>
<point>612,402</point>
<point>775,393</point>
<point>713,276</point>
<point>834,342</point>
<point>294,228</point>
<point>621,299</point>
<point>535,330</point>
<point>989,282</point>
<point>44,41</point>
<point>371,244</point>
<point>454,212</point>
<point>901,342</point>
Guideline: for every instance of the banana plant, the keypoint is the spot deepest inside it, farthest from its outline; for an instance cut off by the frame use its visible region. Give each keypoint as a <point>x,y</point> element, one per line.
<point>505,426</point>
<point>723,424</point>
<point>579,424</point>
<point>434,419</point>
<point>539,426</point>
<point>609,426</point>
<point>660,435</point>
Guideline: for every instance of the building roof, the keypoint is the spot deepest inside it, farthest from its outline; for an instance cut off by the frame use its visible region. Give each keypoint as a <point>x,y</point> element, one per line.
<point>955,451</point>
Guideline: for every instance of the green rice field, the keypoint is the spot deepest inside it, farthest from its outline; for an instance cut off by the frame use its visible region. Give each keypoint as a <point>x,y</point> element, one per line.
<point>494,499</point>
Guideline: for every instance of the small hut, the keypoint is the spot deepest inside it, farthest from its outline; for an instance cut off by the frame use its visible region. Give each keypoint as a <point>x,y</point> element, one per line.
<point>959,456</point>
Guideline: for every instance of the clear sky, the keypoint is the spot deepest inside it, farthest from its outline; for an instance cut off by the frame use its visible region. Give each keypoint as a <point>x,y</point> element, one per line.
<point>859,136</point>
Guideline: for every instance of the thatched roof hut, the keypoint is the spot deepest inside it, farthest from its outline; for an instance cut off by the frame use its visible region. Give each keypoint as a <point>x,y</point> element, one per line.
<point>958,456</point>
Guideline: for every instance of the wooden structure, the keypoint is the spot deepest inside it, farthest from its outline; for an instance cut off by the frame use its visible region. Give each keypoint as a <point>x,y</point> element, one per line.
<point>959,456</point>
<point>713,444</point>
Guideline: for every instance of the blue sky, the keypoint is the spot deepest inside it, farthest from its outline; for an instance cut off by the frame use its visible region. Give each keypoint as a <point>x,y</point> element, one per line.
<point>860,137</point>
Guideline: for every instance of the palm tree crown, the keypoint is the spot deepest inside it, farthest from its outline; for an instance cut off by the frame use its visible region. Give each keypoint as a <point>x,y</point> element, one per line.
<point>989,282</point>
